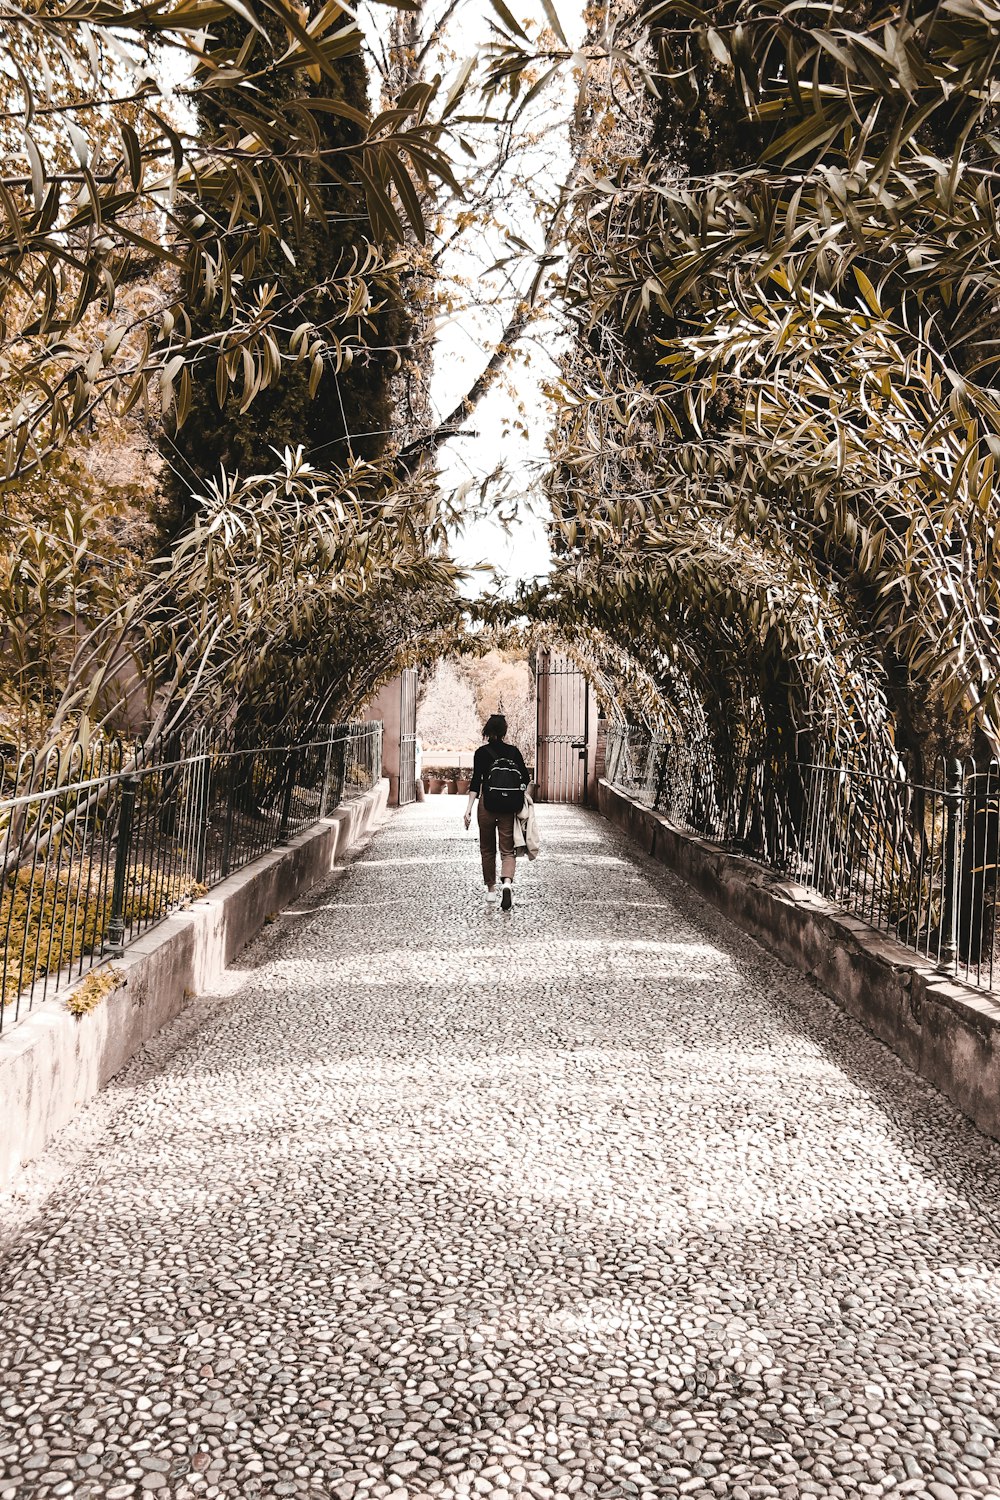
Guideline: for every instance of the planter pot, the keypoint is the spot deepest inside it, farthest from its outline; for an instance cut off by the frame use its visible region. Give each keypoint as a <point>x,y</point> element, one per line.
<point>448,787</point>
<point>462,785</point>
<point>434,783</point>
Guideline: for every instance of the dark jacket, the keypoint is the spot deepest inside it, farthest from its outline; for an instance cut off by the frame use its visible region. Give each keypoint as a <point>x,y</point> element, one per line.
<point>490,752</point>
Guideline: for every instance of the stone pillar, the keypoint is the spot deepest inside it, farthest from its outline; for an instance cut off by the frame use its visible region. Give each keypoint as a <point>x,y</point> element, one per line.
<point>387,706</point>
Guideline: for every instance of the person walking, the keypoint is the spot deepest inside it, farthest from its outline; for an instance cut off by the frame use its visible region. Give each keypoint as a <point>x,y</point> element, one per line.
<point>499,783</point>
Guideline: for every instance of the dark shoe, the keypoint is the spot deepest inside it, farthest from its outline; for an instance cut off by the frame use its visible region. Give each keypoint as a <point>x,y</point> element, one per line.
<point>506,897</point>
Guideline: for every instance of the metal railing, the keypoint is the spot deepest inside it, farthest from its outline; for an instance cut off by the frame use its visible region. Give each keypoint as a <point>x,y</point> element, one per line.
<point>916,859</point>
<point>99,844</point>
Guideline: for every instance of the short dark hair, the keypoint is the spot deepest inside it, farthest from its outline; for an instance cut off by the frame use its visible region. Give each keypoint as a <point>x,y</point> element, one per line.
<point>495,727</point>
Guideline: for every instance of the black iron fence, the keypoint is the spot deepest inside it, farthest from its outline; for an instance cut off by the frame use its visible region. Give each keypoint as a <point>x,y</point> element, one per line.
<point>99,843</point>
<point>914,858</point>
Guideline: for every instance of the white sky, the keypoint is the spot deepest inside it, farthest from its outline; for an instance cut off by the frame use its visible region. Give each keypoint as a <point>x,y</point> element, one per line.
<point>520,550</point>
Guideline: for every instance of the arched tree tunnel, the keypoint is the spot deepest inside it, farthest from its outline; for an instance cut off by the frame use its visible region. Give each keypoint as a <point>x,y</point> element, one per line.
<point>585,1195</point>
<point>770,470</point>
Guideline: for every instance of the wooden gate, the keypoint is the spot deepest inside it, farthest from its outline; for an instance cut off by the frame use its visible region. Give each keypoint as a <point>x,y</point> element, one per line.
<point>407,736</point>
<point>563,726</point>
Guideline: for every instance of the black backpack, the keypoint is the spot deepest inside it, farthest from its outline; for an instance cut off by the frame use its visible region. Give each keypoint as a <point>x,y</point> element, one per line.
<point>503,787</point>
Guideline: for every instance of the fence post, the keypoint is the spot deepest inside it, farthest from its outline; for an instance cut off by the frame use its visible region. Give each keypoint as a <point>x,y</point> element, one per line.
<point>202,804</point>
<point>114,945</point>
<point>954,783</point>
<point>227,834</point>
<point>661,777</point>
<point>743,826</point>
<point>286,801</point>
<point>325,788</point>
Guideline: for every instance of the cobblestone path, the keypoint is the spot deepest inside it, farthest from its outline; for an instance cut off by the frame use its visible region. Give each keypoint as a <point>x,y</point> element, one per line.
<point>592,1199</point>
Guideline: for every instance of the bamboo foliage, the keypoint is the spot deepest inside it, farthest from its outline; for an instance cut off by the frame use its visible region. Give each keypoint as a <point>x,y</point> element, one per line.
<point>158,166</point>
<point>261,587</point>
<point>779,426</point>
<point>109,175</point>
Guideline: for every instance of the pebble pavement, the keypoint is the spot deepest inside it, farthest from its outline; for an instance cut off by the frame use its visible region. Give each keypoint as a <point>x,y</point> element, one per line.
<point>593,1198</point>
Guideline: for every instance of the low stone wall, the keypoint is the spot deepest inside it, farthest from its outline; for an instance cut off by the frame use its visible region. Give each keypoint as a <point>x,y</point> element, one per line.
<point>52,1062</point>
<point>943,1029</point>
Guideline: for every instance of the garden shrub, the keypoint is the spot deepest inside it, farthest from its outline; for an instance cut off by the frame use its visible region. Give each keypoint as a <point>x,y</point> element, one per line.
<point>49,924</point>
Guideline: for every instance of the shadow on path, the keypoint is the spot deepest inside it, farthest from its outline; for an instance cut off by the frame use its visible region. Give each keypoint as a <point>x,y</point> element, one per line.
<point>592,1199</point>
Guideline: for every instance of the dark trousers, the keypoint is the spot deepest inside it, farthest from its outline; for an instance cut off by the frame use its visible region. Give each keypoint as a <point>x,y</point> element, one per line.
<point>494,828</point>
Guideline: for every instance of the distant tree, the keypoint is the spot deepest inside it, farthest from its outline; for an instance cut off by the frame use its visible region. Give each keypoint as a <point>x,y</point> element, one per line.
<point>504,683</point>
<point>446,716</point>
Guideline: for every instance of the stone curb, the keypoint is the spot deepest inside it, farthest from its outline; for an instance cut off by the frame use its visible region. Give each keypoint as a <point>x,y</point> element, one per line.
<point>52,1062</point>
<point>946,1031</point>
